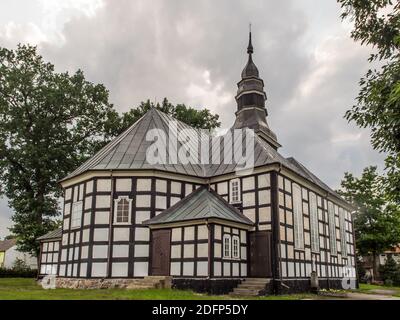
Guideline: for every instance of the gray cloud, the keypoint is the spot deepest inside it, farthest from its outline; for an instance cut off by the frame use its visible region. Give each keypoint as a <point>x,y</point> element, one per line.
<point>194,51</point>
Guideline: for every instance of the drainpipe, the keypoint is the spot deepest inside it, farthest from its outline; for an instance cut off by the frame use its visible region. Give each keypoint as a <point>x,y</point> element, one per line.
<point>110,225</point>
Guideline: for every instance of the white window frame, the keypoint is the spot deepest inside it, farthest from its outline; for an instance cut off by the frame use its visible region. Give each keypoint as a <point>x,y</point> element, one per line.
<point>116,210</point>
<point>77,209</point>
<point>298,217</point>
<point>226,252</point>
<point>332,228</point>
<point>231,194</point>
<point>236,241</point>
<point>343,233</point>
<point>314,223</point>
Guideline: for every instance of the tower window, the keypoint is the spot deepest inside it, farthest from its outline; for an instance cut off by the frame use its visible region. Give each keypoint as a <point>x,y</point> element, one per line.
<point>235,191</point>
<point>122,210</point>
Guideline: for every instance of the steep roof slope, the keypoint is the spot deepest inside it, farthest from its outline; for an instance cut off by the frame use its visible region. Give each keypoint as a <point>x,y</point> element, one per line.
<point>52,235</point>
<point>7,244</point>
<point>200,204</point>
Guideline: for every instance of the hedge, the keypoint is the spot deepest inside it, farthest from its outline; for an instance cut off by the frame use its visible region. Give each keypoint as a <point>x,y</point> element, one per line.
<point>12,273</point>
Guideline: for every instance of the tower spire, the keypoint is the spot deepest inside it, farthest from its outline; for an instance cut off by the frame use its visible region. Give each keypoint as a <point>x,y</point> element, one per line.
<point>250,46</point>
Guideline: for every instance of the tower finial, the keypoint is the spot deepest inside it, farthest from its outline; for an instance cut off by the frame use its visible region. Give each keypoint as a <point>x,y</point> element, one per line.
<point>250,47</point>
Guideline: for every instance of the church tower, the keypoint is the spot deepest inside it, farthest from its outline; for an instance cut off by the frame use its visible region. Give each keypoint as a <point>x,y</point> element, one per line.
<point>251,111</point>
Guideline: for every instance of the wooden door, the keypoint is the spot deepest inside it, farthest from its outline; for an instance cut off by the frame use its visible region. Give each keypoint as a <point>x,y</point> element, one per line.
<point>160,252</point>
<point>260,254</point>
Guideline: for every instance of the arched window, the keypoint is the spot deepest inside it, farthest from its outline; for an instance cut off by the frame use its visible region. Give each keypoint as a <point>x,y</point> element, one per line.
<point>227,246</point>
<point>122,211</point>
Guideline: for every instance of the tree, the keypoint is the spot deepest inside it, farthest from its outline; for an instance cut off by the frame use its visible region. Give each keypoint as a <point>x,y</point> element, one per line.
<point>390,271</point>
<point>377,218</point>
<point>50,123</point>
<point>199,119</point>
<point>376,23</point>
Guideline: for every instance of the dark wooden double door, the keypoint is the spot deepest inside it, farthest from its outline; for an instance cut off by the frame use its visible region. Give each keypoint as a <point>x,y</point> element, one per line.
<point>260,254</point>
<point>160,252</point>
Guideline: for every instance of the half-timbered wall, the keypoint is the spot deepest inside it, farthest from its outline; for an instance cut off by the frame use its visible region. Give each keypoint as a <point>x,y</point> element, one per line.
<point>189,251</point>
<point>255,198</point>
<point>93,249</point>
<point>49,257</point>
<point>223,266</point>
<point>313,252</point>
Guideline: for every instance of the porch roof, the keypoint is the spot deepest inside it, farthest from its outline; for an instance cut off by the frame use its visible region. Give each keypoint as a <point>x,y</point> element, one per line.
<point>200,204</point>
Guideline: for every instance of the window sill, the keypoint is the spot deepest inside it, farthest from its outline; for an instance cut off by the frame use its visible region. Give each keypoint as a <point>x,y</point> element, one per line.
<point>121,223</point>
<point>235,202</point>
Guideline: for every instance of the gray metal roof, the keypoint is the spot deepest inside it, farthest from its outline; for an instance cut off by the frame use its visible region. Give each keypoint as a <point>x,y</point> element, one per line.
<point>128,152</point>
<point>200,204</point>
<point>55,234</point>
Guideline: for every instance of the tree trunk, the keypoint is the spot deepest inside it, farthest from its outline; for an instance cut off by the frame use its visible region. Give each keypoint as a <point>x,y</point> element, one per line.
<point>375,266</point>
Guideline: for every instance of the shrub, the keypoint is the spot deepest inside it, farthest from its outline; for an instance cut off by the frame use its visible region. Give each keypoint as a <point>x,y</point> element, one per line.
<point>14,273</point>
<point>390,271</point>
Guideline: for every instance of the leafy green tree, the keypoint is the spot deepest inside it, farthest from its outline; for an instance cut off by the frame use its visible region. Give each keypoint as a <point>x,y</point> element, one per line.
<point>377,24</point>
<point>390,271</point>
<point>49,124</point>
<point>377,218</point>
<point>199,119</point>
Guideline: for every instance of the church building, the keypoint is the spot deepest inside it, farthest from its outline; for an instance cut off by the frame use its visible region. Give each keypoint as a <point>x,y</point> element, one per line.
<point>208,227</point>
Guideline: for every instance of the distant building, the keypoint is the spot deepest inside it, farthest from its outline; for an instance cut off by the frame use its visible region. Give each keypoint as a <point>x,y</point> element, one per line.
<point>9,254</point>
<point>206,226</point>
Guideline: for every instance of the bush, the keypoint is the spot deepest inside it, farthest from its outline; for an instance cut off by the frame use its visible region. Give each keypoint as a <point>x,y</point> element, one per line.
<point>390,271</point>
<point>14,273</point>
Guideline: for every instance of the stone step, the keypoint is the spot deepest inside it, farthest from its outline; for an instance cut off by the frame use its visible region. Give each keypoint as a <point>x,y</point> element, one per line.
<point>244,292</point>
<point>251,286</point>
<point>260,280</point>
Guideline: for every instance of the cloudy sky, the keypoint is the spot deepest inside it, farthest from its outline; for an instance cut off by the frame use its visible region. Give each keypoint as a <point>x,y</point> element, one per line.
<point>193,52</point>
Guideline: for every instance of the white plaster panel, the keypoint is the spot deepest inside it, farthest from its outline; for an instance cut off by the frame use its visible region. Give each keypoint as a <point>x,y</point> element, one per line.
<point>235,269</point>
<point>174,200</point>
<point>142,216</point>
<point>222,188</point>
<point>264,197</point>
<point>62,270</point>
<point>102,201</point>
<point>120,269</point>
<point>243,236</point>
<point>66,224</point>
<point>68,193</point>
<point>86,218</point>
<point>143,185</point>
<point>188,268</point>
<point>123,185</point>
<point>217,233</point>
<point>161,185</point>
<point>63,254</point>
<point>103,185</point>
<point>84,252</point>
<point>161,202</point>
<point>100,234</point>
<point>100,251</point>
<point>83,270</point>
<point>202,250</point>
<point>142,234</point>
<point>202,232</point>
<point>143,201</point>
<point>243,252</point>
<point>120,251</point>
<point>81,191</point>
<point>102,217</point>
<point>217,269</point>
<point>264,180</point>
<point>141,250</point>
<point>141,269</point>
<point>176,251</point>
<point>175,268</point>
<point>189,233</point>
<point>202,268</point>
<point>248,183</point>
<point>85,235</point>
<point>243,270</point>
<point>227,269</point>
<point>176,187</point>
<point>188,189</point>
<point>251,214</point>
<point>249,199</point>
<point>67,209</point>
<point>65,239</point>
<point>89,186</point>
<point>121,234</point>
<point>99,269</point>
<point>264,214</point>
<point>217,250</point>
<point>188,250</point>
<point>88,202</point>
<point>176,234</point>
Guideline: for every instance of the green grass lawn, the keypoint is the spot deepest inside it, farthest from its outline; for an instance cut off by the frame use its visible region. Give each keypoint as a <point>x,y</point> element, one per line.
<point>28,289</point>
<point>369,288</point>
